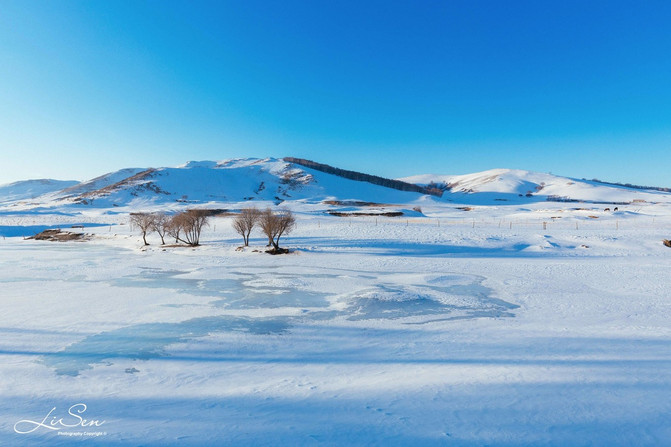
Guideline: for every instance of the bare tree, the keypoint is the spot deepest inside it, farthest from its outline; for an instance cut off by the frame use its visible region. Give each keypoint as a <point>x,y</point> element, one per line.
<point>174,227</point>
<point>245,222</point>
<point>194,221</point>
<point>274,225</point>
<point>268,225</point>
<point>144,222</point>
<point>187,226</point>
<point>160,225</point>
<point>286,222</point>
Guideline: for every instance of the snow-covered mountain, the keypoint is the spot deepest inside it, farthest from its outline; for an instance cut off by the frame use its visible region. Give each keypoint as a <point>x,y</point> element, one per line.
<point>30,189</point>
<point>497,185</point>
<point>99,183</point>
<point>231,183</point>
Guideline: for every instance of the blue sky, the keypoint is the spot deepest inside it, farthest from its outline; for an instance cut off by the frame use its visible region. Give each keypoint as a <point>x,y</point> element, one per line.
<point>393,88</point>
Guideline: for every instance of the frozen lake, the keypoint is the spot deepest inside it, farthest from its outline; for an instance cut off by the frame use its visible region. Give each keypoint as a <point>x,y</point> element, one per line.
<point>368,344</point>
<point>411,298</point>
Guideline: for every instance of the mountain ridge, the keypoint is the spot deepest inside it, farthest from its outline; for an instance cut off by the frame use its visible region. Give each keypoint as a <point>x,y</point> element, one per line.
<point>273,180</point>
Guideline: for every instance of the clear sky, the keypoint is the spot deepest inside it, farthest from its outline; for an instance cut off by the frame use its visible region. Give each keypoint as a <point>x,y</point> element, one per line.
<point>393,88</point>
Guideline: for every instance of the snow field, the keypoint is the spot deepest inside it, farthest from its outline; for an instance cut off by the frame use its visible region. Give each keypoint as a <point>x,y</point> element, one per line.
<point>389,334</point>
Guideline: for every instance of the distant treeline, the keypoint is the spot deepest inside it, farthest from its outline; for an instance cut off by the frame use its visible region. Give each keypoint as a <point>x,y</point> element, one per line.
<point>361,177</point>
<point>629,185</point>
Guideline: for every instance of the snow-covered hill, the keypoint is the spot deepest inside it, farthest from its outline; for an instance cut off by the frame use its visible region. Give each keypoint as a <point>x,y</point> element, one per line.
<point>30,189</point>
<point>497,185</point>
<point>99,182</point>
<point>232,183</point>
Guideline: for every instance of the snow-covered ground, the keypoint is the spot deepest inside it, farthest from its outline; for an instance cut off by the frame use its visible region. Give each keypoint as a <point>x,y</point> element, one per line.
<point>518,308</point>
<point>503,325</point>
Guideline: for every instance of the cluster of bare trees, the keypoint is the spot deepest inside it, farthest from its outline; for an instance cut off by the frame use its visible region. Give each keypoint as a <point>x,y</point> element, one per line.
<point>274,224</point>
<point>184,227</point>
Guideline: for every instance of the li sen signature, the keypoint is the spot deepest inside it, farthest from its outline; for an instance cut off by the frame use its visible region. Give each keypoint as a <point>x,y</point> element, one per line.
<point>52,422</point>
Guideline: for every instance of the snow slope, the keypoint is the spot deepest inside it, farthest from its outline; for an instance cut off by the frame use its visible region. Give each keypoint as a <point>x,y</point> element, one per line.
<point>229,181</point>
<point>511,184</point>
<point>270,181</point>
<point>98,182</point>
<point>30,189</point>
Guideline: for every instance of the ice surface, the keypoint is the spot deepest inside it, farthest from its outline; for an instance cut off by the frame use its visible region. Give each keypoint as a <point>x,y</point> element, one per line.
<point>146,341</point>
<point>260,292</point>
<point>460,301</point>
<point>459,332</point>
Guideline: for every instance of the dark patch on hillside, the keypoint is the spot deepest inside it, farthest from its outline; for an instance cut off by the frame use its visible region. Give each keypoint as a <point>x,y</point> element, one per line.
<point>123,183</point>
<point>363,214</point>
<point>352,203</point>
<point>361,177</point>
<point>629,185</point>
